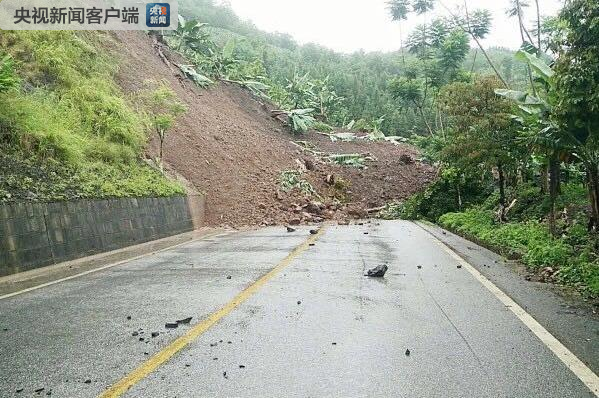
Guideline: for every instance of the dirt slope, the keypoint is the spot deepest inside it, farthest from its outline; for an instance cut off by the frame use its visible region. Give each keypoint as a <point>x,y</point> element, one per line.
<point>228,146</point>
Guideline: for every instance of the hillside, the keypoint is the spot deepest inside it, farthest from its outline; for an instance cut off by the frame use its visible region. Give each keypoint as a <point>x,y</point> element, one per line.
<point>228,146</point>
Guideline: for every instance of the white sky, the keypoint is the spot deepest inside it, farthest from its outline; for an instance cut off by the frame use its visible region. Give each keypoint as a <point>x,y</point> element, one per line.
<point>351,25</point>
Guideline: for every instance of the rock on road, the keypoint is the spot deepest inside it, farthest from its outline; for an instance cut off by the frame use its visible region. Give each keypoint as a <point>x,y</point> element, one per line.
<point>314,327</point>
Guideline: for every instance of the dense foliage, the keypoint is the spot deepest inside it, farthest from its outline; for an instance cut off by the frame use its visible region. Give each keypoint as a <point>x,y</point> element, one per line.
<point>338,87</point>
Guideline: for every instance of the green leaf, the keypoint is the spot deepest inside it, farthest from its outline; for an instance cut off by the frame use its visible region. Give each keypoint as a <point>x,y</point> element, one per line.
<point>537,64</point>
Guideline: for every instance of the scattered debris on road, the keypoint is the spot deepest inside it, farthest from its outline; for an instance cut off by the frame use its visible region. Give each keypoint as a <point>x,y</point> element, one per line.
<point>459,266</point>
<point>229,277</point>
<point>186,321</point>
<point>290,229</point>
<point>378,272</point>
<point>313,231</point>
<point>419,266</point>
<point>88,381</point>
<point>171,325</point>
<point>408,352</point>
<point>129,317</point>
<point>299,302</point>
<point>155,334</point>
<point>241,366</point>
<point>225,375</point>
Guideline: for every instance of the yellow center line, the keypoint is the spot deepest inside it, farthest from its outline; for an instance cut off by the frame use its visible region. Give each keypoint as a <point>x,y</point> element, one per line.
<point>169,351</point>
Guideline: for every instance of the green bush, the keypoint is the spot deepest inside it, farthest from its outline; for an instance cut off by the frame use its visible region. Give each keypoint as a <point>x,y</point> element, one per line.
<point>72,107</point>
<point>532,243</point>
<point>71,131</point>
<point>322,127</point>
<point>46,180</point>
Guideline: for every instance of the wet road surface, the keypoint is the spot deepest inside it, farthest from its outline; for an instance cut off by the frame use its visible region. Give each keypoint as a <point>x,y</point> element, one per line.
<point>314,327</point>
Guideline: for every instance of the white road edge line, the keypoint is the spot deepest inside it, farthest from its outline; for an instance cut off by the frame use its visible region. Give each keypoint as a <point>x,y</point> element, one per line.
<point>586,375</point>
<point>30,289</point>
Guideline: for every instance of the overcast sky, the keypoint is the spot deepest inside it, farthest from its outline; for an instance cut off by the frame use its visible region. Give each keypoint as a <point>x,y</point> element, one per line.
<point>351,25</point>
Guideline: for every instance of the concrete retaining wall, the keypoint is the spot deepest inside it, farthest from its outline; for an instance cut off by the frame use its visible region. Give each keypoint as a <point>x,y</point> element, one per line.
<point>34,235</point>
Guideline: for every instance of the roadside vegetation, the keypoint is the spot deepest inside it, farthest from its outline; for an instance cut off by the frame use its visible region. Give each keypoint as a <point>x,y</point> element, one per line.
<point>66,129</point>
<point>519,165</point>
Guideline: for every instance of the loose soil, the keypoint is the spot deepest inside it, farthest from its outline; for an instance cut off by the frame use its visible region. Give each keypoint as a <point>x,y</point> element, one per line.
<point>229,147</point>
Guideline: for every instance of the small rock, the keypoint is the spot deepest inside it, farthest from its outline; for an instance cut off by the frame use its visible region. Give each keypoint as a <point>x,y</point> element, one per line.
<point>141,339</point>
<point>365,233</point>
<point>49,393</point>
<point>229,342</point>
<point>420,267</point>
<point>444,233</point>
<point>459,266</point>
<point>215,359</point>
<point>171,325</point>
<point>408,352</point>
<point>241,366</point>
<point>225,375</point>
<point>312,244</point>
<point>135,334</point>
<point>313,231</point>
<point>378,272</point>
<point>19,390</point>
<point>39,390</point>
<point>155,334</point>
<point>186,321</point>
<point>88,381</point>
<point>129,317</point>
<point>299,302</point>
<point>334,343</point>
<point>187,365</point>
<point>229,277</point>
<point>290,229</point>
<point>213,344</point>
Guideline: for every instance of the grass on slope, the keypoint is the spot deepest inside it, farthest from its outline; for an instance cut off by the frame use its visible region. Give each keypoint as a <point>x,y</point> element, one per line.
<point>68,118</point>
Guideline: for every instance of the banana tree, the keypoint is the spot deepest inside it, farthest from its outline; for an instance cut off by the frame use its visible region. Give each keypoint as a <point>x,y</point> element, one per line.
<point>539,132</point>
<point>192,34</point>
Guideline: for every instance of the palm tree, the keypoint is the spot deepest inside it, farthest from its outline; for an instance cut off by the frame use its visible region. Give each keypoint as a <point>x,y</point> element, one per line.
<point>399,12</point>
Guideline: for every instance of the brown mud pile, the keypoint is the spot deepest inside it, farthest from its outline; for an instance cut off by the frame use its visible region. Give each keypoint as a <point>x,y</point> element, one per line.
<point>228,146</point>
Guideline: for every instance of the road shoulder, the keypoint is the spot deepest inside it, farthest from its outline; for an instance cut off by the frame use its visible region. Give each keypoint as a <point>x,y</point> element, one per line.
<point>29,280</point>
<point>574,322</point>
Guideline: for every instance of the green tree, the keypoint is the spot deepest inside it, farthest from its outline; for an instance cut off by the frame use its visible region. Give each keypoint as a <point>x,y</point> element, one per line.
<point>576,109</point>
<point>162,108</point>
<point>481,134</point>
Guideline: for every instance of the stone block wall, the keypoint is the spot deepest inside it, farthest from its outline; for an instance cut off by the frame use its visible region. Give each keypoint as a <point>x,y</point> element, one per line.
<point>34,235</point>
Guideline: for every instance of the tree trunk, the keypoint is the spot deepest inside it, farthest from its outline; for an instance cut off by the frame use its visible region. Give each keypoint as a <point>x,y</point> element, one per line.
<point>543,178</point>
<point>593,185</point>
<point>428,126</point>
<point>554,170</point>
<point>538,27</point>
<point>480,46</point>
<point>501,191</point>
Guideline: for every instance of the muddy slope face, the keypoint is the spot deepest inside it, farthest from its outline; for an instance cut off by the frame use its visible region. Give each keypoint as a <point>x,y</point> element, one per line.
<point>228,146</point>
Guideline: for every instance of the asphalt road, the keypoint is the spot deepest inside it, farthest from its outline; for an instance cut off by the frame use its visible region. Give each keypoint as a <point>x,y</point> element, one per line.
<point>276,317</point>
